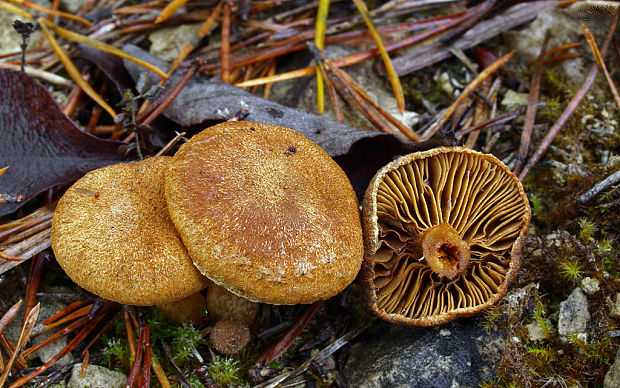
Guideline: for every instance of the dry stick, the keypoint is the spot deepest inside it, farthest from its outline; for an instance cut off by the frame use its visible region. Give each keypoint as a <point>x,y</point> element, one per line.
<point>129,330</point>
<point>146,366</point>
<point>174,92</point>
<point>356,88</point>
<point>554,50</point>
<point>323,354</point>
<point>135,367</point>
<point>41,8</point>
<point>159,372</point>
<point>169,10</point>
<point>360,57</point>
<point>24,336</point>
<point>70,346</point>
<point>225,49</point>
<point>501,119</point>
<point>202,32</point>
<point>470,88</point>
<point>34,280</point>
<point>171,144</point>
<point>275,350</point>
<point>394,80</point>
<point>71,307</point>
<point>602,185</point>
<point>561,57</point>
<point>182,379</point>
<point>86,310</point>
<point>570,108</point>
<point>7,257</point>
<point>601,63</point>
<point>532,107</point>
<point>73,72</point>
<point>331,91</point>
<point>70,328</point>
<point>9,316</point>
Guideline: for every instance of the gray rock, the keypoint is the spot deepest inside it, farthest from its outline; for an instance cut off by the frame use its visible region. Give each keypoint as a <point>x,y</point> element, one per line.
<point>459,354</point>
<point>612,378</point>
<point>564,26</point>
<point>536,332</point>
<point>10,40</point>
<point>513,100</point>
<point>96,377</point>
<point>167,43</point>
<point>574,316</point>
<point>589,285</point>
<point>615,306</point>
<point>72,5</point>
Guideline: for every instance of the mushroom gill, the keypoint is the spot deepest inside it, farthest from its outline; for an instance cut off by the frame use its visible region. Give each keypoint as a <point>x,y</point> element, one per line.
<point>443,231</point>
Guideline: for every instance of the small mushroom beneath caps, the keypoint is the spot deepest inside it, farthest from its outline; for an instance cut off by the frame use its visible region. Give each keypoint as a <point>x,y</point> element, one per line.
<point>266,213</point>
<point>112,235</point>
<point>230,336</point>
<point>443,232</point>
<point>222,304</point>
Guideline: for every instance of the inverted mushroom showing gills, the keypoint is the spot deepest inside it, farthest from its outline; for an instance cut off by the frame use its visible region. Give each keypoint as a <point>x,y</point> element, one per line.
<point>443,232</point>
<point>112,235</point>
<point>266,213</point>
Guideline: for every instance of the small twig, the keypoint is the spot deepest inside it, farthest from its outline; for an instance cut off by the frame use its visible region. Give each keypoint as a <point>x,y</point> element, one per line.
<point>602,185</point>
<point>570,108</point>
<point>34,280</point>
<point>225,49</point>
<point>501,119</point>
<point>174,92</point>
<point>601,63</point>
<point>23,29</point>
<point>275,350</point>
<point>532,106</point>
<point>29,322</point>
<point>171,144</point>
<point>169,10</point>
<point>468,90</point>
<point>183,380</point>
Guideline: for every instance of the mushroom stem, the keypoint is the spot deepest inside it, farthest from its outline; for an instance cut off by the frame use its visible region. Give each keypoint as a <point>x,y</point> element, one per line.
<point>445,251</point>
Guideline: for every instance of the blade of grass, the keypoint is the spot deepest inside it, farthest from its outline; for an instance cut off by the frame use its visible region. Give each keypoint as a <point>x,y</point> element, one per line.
<point>73,72</point>
<point>394,80</point>
<point>169,10</point>
<point>601,62</point>
<point>24,336</point>
<point>468,90</point>
<point>319,41</point>
<point>41,8</point>
<point>572,105</point>
<point>79,38</point>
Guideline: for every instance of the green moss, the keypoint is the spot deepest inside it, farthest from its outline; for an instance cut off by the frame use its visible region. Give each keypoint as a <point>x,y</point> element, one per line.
<point>225,371</point>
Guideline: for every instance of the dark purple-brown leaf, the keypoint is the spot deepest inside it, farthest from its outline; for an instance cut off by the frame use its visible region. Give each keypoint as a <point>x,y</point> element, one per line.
<point>40,145</point>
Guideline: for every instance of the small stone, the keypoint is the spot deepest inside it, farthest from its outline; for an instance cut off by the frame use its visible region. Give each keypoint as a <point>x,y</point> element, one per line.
<point>574,315</point>
<point>615,306</point>
<point>612,378</point>
<point>513,100</point>
<point>445,84</point>
<point>515,340</point>
<point>589,285</point>
<point>96,376</point>
<point>536,332</point>
<point>167,43</point>
<point>444,332</point>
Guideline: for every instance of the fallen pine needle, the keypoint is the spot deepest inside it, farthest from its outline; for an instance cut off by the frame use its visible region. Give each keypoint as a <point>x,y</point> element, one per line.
<point>601,62</point>
<point>16,10</point>
<point>492,68</point>
<point>319,41</point>
<point>73,72</point>
<point>169,10</point>
<point>79,38</point>
<point>41,8</point>
<point>394,80</point>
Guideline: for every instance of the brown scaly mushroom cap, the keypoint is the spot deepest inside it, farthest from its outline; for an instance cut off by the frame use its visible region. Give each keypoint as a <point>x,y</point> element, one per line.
<point>112,235</point>
<point>266,213</point>
<point>443,233</point>
<point>230,336</point>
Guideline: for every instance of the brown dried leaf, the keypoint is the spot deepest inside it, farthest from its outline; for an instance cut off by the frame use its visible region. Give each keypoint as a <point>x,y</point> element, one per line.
<point>40,145</point>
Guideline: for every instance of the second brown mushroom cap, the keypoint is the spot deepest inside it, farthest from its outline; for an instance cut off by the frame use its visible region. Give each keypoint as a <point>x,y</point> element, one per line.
<point>443,232</point>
